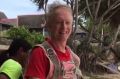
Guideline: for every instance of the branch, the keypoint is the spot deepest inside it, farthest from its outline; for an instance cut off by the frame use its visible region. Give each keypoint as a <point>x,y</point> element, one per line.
<point>89,8</point>
<point>97,9</point>
<point>111,15</point>
<point>108,3</point>
<point>84,28</point>
<point>109,9</point>
<point>89,32</point>
<point>92,3</point>
<point>116,6</point>
<point>115,38</point>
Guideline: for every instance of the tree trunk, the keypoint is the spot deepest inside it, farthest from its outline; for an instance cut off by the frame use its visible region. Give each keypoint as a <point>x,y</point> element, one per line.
<point>116,35</point>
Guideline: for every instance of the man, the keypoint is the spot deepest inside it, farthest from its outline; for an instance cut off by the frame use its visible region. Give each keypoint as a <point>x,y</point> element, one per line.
<point>14,59</point>
<point>57,65</point>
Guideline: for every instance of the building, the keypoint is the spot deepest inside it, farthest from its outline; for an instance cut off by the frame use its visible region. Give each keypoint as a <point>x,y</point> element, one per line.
<point>33,22</point>
<point>2,15</point>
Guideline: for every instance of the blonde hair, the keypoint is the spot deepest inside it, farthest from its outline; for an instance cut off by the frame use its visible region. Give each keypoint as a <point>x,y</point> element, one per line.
<point>53,7</point>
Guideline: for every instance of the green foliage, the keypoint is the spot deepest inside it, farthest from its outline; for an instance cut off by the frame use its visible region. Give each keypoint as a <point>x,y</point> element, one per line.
<point>23,32</point>
<point>89,24</point>
<point>20,32</point>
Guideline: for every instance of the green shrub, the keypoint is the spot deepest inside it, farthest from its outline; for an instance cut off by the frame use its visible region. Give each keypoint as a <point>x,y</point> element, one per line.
<point>24,33</point>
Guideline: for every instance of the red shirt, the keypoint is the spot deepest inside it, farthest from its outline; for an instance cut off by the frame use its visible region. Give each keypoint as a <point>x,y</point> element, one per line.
<point>39,64</point>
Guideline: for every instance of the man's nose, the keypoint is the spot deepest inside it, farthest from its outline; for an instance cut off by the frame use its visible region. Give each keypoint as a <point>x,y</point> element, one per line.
<point>63,25</point>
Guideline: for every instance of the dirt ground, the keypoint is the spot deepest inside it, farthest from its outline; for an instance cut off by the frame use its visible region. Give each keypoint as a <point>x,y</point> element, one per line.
<point>105,76</point>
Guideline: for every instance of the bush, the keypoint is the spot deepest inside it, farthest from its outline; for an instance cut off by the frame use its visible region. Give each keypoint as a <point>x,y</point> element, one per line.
<point>24,33</point>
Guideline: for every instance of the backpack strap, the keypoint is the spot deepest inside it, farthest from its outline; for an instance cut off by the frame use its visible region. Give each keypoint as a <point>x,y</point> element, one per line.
<point>53,57</point>
<point>76,60</point>
<point>51,54</point>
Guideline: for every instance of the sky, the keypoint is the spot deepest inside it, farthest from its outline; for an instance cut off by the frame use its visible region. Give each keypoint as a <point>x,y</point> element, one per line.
<point>13,8</point>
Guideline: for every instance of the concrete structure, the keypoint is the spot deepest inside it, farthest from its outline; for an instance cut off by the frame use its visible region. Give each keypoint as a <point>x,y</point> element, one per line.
<point>3,47</point>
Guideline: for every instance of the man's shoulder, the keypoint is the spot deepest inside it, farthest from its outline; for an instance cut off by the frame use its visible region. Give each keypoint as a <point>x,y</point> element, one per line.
<point>38,50</point>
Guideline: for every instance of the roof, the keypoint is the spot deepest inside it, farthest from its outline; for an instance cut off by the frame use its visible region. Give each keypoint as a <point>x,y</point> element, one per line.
<point>9,21</point>
<point>2,15</point>
<point>32,21</point>
<point>79,30</point>
<point>5,25</point>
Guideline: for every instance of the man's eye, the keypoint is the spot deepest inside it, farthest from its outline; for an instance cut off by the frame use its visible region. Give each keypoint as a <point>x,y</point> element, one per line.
<point>67,22</point>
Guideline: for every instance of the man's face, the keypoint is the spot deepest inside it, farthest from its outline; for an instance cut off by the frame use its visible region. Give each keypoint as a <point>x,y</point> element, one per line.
<point>61,25</point>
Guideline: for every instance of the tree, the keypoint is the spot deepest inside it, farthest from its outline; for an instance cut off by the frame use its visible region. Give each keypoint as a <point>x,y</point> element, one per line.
<point>100,12</point>
<point>41,4</point>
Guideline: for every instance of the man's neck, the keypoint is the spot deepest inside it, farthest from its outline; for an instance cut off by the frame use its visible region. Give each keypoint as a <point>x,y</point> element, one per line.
<point>59,45</point>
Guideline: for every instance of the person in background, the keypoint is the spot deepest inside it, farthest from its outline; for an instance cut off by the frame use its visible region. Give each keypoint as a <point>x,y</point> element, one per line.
<point>63,63</point>
<point>14,59</point>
